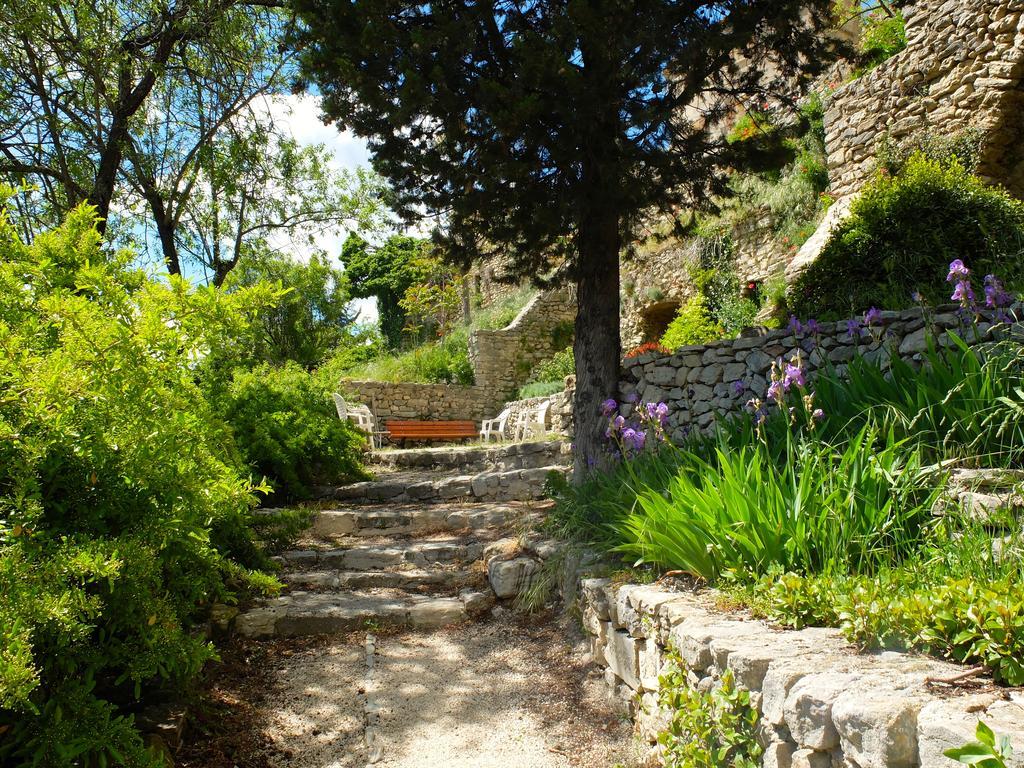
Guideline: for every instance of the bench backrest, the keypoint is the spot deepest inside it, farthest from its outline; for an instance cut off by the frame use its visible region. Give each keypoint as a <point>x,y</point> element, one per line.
<point>403,429</point>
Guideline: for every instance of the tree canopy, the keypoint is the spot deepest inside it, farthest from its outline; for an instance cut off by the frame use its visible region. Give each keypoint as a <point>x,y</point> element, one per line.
<point>384,272</point>
<point>167,116</point>
<point>550,128</point>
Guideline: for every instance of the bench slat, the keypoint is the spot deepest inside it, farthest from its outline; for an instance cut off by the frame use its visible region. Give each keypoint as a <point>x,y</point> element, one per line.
<point>430,430</point>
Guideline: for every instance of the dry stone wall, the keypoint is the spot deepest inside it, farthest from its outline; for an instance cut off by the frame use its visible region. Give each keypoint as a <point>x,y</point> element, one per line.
<point>961,69</point>
<point>821,704</point>
<point>704,383</point>
<point>502,359</point>
<point>404,400</point>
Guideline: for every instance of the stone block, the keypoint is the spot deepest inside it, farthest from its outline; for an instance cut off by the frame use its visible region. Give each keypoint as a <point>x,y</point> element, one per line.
<point>509,578</point>
<point>623,657</point>
<point>809,758</point>
<point>808,709</point>
<point>943,724</point>
<point>878,729</point>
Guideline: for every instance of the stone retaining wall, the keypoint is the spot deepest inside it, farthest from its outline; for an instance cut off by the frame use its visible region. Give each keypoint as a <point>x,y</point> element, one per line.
<point>703,383</point>
<point>962,68</point>
<point>492,457</point>
<point>821,703</point>
<point>559,420</point>
<point>404,400</point>
<point>503,358</point>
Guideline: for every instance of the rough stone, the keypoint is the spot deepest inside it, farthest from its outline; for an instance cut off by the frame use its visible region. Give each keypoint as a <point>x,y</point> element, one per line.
<point>508,578</point>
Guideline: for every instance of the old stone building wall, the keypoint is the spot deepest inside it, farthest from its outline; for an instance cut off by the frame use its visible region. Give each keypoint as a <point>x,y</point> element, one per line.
<point>961,69</point>
<point>502,359</point>
<point>704,383</point>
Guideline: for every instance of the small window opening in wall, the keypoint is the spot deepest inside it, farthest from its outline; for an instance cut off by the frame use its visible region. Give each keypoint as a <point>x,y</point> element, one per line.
<point>656,318</point>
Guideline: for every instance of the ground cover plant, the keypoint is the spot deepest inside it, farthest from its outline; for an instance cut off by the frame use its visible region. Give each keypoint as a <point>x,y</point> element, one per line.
<point>816,506</point>
<point>125,508</point>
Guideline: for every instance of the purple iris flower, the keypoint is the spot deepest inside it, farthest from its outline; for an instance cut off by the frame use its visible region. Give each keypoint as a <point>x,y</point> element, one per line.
<point>608,407</point>
<point>794,375</point>
<point>739,387</point>
<point>995,295</point>
<point>853,328</point>
<point>873,316</point>
<point>957,271</point>
<point>818,414</point>
<point>812,327</point>
<point>963,292</point>
<point>774,392</point>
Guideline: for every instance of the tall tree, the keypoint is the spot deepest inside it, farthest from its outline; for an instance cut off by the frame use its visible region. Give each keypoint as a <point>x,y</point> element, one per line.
<point>167,115</point>
<point>385,272</point>
<point>550,127</point>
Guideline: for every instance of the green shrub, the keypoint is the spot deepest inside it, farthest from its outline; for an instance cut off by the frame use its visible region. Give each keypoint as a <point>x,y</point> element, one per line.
<point>122,516</point>
<point>288,431</point>
<point>692,325</point>
<point>540,389</point>
<point>963,147</point>
<point>882,37</point>
<point>707,730</point>
<point>902,234</point>
<point>814,509</point>
<point>554,369</point>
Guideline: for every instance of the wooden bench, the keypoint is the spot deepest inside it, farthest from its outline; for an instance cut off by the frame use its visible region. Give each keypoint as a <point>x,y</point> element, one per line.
<point>422,431</point>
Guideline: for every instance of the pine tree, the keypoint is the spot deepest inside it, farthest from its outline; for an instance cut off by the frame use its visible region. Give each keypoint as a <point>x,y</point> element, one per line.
<point>548,128</point>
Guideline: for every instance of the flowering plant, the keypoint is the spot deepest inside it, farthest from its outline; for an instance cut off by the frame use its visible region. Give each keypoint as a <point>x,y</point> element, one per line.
<point>645,428</point>
<point>650,346</point>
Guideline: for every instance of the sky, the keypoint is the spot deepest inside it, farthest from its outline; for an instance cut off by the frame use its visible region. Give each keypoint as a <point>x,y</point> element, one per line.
<point>299,114</point>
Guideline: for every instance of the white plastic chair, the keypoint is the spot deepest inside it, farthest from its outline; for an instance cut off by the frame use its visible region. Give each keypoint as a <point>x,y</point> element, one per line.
<point>496,427</point>
<point>533,423</point>
<point>360,415</point>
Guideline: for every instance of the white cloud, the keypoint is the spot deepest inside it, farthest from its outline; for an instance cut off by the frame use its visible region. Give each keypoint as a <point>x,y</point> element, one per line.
<point>299,115</point>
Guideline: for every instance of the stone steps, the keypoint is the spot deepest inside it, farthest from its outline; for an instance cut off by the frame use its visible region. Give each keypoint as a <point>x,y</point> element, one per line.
<point>497,486</point>
<point>380,557</point>
<point>403,520</point>
<point>493,457</point>
<point>410,580</point>
<point>317,613</point>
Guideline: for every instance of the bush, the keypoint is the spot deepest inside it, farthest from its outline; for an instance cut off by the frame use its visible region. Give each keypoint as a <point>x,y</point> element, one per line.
<point>883,36</point>
<point>122,516</point>
<point>555,368</point>
<point>901,235</point>
<point>540,389</point>
<point>289,432</point>
<point>693,325</point>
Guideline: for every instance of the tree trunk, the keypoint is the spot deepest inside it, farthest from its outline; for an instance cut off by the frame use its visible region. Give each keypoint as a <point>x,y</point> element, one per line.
<point>597,346</point>
<point>165,230</point>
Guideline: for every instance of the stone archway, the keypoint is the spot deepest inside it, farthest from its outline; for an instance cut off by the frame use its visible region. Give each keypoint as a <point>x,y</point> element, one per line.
<point>655,319</point>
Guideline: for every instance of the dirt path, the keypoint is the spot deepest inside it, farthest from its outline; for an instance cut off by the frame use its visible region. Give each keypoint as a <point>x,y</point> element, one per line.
<point>500,694</point>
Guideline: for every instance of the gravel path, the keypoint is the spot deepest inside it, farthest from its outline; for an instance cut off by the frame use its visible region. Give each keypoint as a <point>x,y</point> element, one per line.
<point>492,695</point>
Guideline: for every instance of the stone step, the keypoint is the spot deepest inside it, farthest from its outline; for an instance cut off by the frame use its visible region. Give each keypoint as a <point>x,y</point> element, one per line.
<point>317,613</point>
<point>411,519</point>
<point>379,557</point>
<point>510,485</point>
<point>493,457</point>
<point>407,579</point>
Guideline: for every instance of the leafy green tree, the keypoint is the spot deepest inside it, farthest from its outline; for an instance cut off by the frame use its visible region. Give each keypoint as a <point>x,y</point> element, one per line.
<point>166,114</point>
<point>548,129</point>
<point>385,272</point>
<point>310,318</point>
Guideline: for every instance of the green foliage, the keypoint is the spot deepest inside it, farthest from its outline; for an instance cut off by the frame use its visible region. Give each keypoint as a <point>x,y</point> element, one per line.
<point>750,125</point>
<point>433,303</point>
<point>969,406</point>
<point>692,325</point>
<point>901,235</point>
<point>985,751</point>
<point>555,368</point>
<point>502,313</point>
<point>311,316</point>
<point>445,361</point>
<point>814,508</point>
<point>963,147</point>
<point>122,515</point>
<point>540,389</point>
<point>717,729</point>
<point>385,272</point>
<point>288,431</point>
<point>882,37</point>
